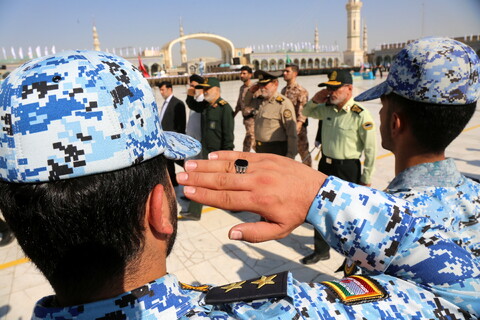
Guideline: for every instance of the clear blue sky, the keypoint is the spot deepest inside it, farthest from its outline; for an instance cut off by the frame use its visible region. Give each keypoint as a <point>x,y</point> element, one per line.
<point>67,24</point>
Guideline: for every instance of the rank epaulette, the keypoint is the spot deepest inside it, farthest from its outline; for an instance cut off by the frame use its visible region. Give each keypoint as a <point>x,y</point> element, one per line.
<point>272,286</point>
<point>356,108</point>
<point>279,99</point>
<point>222,102</point>
<point>201,288</point>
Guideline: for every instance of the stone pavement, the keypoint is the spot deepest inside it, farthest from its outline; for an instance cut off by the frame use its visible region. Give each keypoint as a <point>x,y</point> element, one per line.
<point>204,254</point>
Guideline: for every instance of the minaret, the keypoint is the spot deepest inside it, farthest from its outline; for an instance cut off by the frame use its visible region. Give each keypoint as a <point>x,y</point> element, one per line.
<point>365,38</point>
<point>317,43</point>
<point>183,47</point>
<point>96,42</point>
<point>353,56</point>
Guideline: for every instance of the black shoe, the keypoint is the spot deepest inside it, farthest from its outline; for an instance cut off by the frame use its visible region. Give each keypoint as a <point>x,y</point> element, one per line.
<point>6,237</point>
<point>315,257</point>
<point>189,216</point>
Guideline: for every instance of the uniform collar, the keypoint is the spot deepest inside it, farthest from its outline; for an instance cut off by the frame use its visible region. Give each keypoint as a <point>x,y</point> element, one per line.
<point>162,297</point>
<point>346,107</point>
<point>434,174</point>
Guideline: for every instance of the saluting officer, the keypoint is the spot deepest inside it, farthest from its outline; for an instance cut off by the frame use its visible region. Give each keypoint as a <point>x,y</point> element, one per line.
<point>275,122</point>
<point>347,132</point>
<point>217,120</point>
<point>217,129</point>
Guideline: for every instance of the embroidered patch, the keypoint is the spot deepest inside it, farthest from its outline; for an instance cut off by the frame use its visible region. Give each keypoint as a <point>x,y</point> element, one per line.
<point>287,114</point>
<point>367,125</point>
<point>356,108</point>
<point>202,288</point>
<point>222,102</point>
<point>356,290</point>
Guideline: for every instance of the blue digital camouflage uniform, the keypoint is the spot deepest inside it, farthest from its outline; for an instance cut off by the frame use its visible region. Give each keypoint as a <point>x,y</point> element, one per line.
<point>440,279</point>
<point>448,197</point>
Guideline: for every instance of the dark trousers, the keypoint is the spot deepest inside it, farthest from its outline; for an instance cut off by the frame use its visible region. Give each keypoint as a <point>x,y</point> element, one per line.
<point>348,170</point>
<point>275,147</point>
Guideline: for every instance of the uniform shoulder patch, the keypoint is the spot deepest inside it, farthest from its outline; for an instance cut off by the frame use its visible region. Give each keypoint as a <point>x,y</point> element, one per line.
<point>356,108</point>
<point>222,102</point>
<point>356,290</point>
<point>279,99</point>
<point>201,288</point>
<point>287,114</point>
<point>272,286</point>
<point>368,125</point>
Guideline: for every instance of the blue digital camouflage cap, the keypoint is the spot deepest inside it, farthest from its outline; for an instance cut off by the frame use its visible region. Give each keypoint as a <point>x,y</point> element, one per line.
<point>78,113</point>
<point>432,70</point>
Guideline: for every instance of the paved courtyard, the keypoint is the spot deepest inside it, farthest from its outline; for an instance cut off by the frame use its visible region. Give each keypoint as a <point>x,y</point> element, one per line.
<point>204,254</point>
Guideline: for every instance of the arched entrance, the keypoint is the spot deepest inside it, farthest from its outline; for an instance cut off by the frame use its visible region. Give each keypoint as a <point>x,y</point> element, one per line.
<point>226,46</point>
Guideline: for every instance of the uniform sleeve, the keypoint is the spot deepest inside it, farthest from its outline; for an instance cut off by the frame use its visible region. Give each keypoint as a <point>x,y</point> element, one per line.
<point>381,232</point>
<point>248,104</point>
<point>290,124</point>
<point>238,107</point>
<point>302,100</point>
<point>195,105</point>
<point>367,136</point>
<point>227,128</point>
<point>311,109</point>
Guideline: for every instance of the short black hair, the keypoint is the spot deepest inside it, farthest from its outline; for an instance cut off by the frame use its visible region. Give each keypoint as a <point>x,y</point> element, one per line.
<point>293,66</point>
<point>81,233</point>
<point>434,126</point>
<point>195,77</point>
<point>246,68</point>
<point>167,84</point>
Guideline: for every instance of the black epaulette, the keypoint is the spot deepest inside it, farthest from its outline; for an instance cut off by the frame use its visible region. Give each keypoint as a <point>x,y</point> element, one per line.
<point>279,99</point>
<point>356,108</point>
<point>222,102</point>
<point>200,288</point>
<point>272,286</point>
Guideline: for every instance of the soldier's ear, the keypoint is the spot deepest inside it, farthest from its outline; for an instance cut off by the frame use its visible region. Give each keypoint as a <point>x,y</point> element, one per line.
<point>157,212</point>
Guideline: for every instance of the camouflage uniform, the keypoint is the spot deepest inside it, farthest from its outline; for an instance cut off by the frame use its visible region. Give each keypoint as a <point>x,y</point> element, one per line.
<point>299,97</point>
<point>430,267</point>
<point>274,124</point>
<point>248,119</point>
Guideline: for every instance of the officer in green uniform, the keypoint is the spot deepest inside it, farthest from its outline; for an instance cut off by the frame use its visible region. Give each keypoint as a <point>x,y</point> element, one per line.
<point>217,129</point>
<point>275,122</point>
<point>347,132</point>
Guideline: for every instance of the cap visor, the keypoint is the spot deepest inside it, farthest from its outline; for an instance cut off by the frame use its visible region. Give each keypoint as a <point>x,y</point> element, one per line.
<point>180,146</point>
<point>330,84</point>
<point>202,86</point>
<point>375,92</point>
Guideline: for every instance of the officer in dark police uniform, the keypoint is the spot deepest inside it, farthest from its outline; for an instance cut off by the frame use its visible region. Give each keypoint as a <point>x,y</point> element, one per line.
<point>275,122</point>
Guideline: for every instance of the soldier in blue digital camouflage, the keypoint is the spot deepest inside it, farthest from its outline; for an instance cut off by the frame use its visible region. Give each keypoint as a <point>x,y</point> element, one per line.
<point>85,190</point>
<point>429,97</point>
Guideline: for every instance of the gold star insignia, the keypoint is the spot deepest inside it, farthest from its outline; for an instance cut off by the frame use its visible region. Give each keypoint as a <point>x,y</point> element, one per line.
<point>264,281</point>
<point>231,286</point>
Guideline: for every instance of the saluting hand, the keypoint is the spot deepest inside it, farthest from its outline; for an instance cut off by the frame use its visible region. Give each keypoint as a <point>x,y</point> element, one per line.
<point>321,96</point>
<point>278,188</point>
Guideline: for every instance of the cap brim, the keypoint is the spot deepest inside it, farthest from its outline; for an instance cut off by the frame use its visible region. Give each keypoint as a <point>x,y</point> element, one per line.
<point>202,86</point>
<point>331,84</point>
<point>180,146</point>
<point>375,92</point>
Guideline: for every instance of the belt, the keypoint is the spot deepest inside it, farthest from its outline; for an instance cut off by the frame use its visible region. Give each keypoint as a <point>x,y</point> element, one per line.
<point>329,160</point>
<point>261,143</point>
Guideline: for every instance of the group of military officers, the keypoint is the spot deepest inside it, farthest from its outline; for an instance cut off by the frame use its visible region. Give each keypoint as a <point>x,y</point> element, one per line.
<point>277,123</point>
